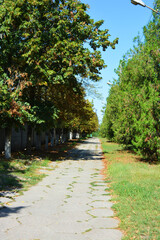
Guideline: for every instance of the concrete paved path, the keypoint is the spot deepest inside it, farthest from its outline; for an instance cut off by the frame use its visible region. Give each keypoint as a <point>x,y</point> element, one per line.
<point>71,203</point>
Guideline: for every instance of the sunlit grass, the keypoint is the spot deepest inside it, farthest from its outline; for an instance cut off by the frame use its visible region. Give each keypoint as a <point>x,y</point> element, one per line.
<point>136,192</point>
<point>23,171</point>
<point>20,173</point>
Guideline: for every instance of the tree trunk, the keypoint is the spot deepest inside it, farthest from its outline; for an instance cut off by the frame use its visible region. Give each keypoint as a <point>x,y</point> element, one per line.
<point>29,139</point>
<point>54,135</point>
<point>67,135</point>
<point>46,140</point>
<point>70,135</point>
<point>52,138</point>
<point>38,141</point>
<point>7,148</point>
<point>61,136</point>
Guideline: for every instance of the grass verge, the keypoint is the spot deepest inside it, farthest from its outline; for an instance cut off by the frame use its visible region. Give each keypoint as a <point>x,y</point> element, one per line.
<point>23,171</point>
<point>18,173</point>
<point>136,191</point>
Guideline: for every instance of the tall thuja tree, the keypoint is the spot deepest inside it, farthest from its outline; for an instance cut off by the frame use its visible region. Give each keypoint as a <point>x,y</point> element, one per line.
<point>137,104</point>
<point>147,139</point>
<point>111,112</point>
<point>137,122</point>
<point>126,102</point>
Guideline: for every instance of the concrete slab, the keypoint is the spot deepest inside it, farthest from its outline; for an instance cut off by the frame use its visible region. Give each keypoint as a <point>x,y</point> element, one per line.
<point>104,234</point>
<point>101,197</point>
<point>101,204</point>
<point>66,204</point>
<point>99,223</point>
<point>101,212</point>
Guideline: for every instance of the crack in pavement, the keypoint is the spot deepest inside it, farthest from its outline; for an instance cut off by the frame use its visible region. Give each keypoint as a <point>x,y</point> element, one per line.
<point>76,205</point>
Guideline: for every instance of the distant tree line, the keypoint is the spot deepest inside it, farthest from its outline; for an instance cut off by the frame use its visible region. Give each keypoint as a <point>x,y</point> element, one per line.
<point>132,114</point>
<point>48,51</point>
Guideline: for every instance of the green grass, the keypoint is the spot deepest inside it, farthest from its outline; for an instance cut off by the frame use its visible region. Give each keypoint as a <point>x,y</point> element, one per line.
<point>136,192</point>
<point>111,147</point>
<point>18,174</point>
<point>22,171</point>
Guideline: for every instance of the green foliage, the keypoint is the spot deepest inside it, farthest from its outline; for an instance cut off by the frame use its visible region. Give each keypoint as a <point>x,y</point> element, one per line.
<point>12,110</point>
<point>88,122</point>
<point>132,113</point>
<point>45,44</point>
<point>95,134</point>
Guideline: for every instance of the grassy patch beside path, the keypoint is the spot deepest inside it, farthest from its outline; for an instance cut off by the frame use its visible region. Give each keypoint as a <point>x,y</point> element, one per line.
<point>23,171</point>
<point>136,192</point>
<point>18,173</point>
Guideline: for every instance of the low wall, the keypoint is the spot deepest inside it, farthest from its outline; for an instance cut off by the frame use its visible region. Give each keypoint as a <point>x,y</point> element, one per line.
<point>19,138</point>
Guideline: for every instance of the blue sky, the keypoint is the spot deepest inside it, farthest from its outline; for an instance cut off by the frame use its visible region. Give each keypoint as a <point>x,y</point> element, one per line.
<point>124,20</point>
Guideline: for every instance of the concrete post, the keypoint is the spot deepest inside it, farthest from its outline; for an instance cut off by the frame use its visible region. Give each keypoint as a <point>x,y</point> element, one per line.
<point>7,149</point>
<point>70,135</point>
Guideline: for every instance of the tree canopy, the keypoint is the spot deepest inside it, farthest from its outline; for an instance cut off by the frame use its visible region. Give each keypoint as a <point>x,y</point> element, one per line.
<point>48,49</point>
<point>132,115</point>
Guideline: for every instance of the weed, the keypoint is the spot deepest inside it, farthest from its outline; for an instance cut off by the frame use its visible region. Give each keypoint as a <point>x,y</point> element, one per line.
<point>68,196</point>
<point>74,182</point>
<point>80,169</point>
<point>88,230</point>
<point>88,212</point>
<point>93,184</point>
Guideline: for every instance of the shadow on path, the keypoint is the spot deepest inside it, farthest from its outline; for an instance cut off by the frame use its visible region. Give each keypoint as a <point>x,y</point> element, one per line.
<point>84,155</point>
<point>8,181</point>
<point>86,152</point>
<point>88,142</point>
<point>6,211</point>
